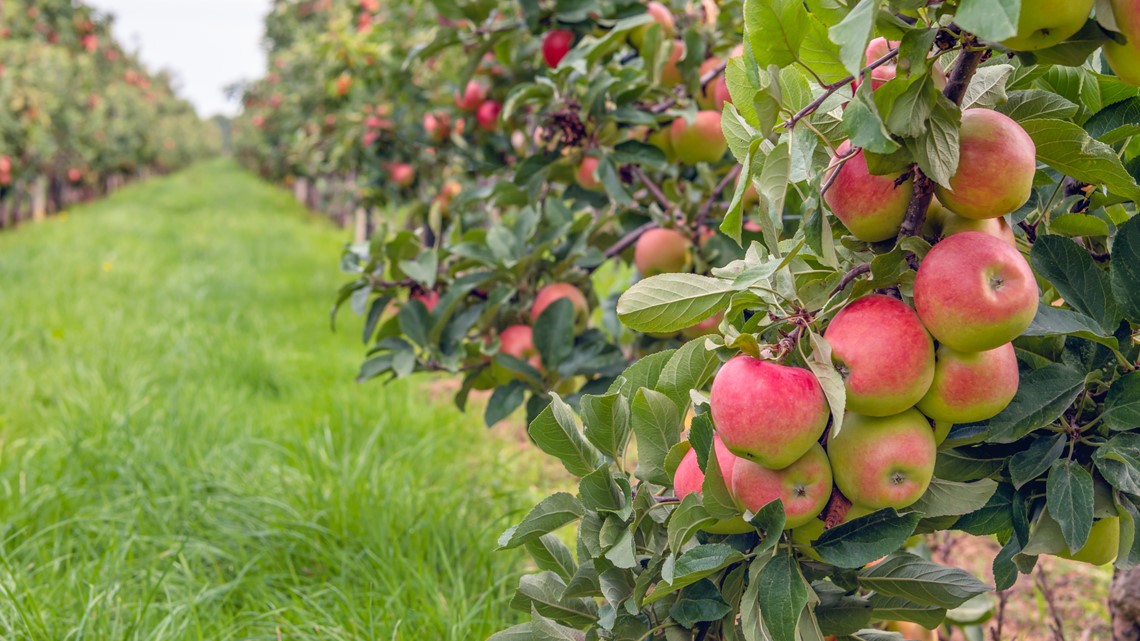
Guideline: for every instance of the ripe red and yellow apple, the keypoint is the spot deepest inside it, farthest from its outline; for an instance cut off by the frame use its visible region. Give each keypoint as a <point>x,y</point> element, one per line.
<point>488,114</point>
<point>670,72</point>
<point>689,478</point>
<point>402,173</point>
<point>884,353</point>
<point>1045,23</point>
<point>871,207</point>
<point>804,487</point>
<point>586,176</point>
<point>1125,58</point>
<point>662,16</point>
<point>882,462</point>
<point>997,161</point>
<point>974,292</point>
<point>699,141</point>
<point>555,45</point>
<point>971,386</point>
<point>518,341</point>
<point>662,251</point>
<point>768,413</point>
<point>473,96</point>
<point>557,291</point>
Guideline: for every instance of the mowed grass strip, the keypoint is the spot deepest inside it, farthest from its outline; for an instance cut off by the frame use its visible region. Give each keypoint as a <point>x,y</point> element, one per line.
<point>184,455</point>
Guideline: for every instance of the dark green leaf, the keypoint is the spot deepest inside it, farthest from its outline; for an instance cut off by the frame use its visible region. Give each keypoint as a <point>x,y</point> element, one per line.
<point>543,592</point>
<point>936,148</point>
<point>1126,269</point>
<point>922,581</point>
<point>657,424</point>
<point>951,498</point>
<point>1076,276</point>
<point>862,540</point>
<point>686,520</point>
<point>897,608</point>
<point>1069,496</point>
<point>863,124</point>
<point>1115,122</point>
<point>1032,462</point>
<point>783,595</point>
<point>504,401</point>
<point>699,602</point>
<point>690,368</point>
<point>1041,397</point>
<point>551,554</point>
<point>554,333</point>
<point>992,20</point>
<point>606,421</point>
<point>1035,104</point>
<point>555,431</point>
<point>1067,148</point>
<point>552,513</point>
<point>694,565</point>
<point>1119,462</point>
<point>1122,405</point>
<point>853,33</point>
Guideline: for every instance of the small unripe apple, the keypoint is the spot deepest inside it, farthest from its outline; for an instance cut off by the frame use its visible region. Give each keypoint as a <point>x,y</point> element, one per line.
<point>804,487</point>
<point>1102,545</point>
<point>662,16</point>
<point>556,291</point>
<point>472,97</point>
<point>871,207</point>
<point>884,353</point>
<point>662,251</point>
<point>556,45</point>
<point>882,462</point>
<point>768,413</point>
<point>488,114</point>
<point>689,478</point>
<point>971,386</point>
<point>1045,23</point>
<point>587,177</point>
<point>701,141</point>
<point>1125,58</point>
<point>974,292</point>
<point>518,341</point>
<point>996,163</point>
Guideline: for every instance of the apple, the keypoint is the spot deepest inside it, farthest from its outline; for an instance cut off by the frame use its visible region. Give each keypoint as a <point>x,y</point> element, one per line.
<point>708,326</point>
<point>472,97</point>
<point>1044,23</point>
<point>882,462</point>
<point>662,16</point>
<point>871,207</point>
<point>804,487</point>
<point>912,631</point>
<point>997,160</point>
<point>663,140</point>
<point>689,478</point>
<point>670,72</point>
<point>518,341</point>
<point>971,386</point>
<point>806,534</point>
<point>74,175</point>
<point>1102,545</point>
<point>941,222</point>
<point>437,125</point>
<point>556,291</point>
<point>587,177</point>
<point>768,413</point>
<point>662,251</point>
<point>402,173</point>
<point>884,353</point>
<point>715,93</point>
<point>1125,58</point>
<point>555,45</point>
<point>974,292</point>
<point>941,431</point>
<point>701,141</point>
<point>429,298</point>
<point>488,114</point>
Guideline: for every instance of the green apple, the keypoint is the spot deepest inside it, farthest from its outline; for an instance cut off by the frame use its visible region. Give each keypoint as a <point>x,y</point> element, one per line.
<point>701,141</point>
<point>1044,23</point>
<point>1102,545</point>
<point>1125,58</point>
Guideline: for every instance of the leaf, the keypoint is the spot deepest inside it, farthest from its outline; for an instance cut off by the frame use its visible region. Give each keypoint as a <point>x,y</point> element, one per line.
<point>1069,497</point>
<point>897,608</point>
<point>992,20</point>
<point>1042,396</point>
<point>1122,405</point>
<point>689,369</point>
<point>689,517</point>
<point>1118,461</point>
<point>774,29</point>
<point>987,88</point>
<point>601,492</point>
<point>606,423</point>
<point>1115,122</point>
<point>672,302</point>
<point>1055,321</point>
<point>1067,148</point>
<point>643,373</point>
<point>1030,463</point>
<point>864,125</point>
<point>1083,285</point>
<point>906,104</point>
<point>503,402</point>
<point>555,431</point>
<point>839,613</point>
<point>552,513</point>
<point>520,632</point>
<point>635,152</point>
<point>543,592</point>
<point>1035,104</point>
<point>551,554</point>
<point>952,498</point>
<point>936,150</point>
<point>783,595</point>
<point>694,565</point>
<point>1125,269</point>
<point>773,185</point>
<point>1078,225</point>
<point>657,424</point>
<point>921,581</point>
<point>823,367</point>
<point>716,496</point>
<point>862,540</point>
<point>699,602</point>
<point>853,33</point>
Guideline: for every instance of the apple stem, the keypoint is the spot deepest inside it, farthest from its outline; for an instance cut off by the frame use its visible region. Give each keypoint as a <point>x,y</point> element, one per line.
<point>659,195</point>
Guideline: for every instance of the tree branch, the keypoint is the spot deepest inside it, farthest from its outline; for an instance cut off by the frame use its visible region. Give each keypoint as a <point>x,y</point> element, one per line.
<point>652,187</point>
<point>706,209</point>
<point>625,242</point>
<point>850,277</point>
<point>836,86</point>
<point>963,72</point>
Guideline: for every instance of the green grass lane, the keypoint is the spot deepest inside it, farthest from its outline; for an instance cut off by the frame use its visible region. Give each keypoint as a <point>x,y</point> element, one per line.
<point>183,453</point>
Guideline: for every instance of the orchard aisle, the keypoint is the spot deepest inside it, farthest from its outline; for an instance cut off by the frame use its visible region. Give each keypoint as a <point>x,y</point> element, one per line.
<point>183,455</point>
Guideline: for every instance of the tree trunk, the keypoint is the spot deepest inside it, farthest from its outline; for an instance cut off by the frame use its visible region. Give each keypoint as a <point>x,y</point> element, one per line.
<point>1124,604</point>
<point>39,198</point>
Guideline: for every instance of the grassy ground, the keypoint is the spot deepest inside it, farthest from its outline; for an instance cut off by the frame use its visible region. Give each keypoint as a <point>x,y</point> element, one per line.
<point>183,454</point>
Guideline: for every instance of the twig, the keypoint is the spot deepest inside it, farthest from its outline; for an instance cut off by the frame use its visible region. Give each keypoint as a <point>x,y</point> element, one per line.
<point>712,74</point>
<point>963,71</point>
<point>850,276</point>
<point>1055,625</point>
<point>703,214</point>
<point>652,187</point>
<point>625,242</point>
<point>999,616</point>
<point>919,203</point>
<point>836,165</point>
<point>833,87</point>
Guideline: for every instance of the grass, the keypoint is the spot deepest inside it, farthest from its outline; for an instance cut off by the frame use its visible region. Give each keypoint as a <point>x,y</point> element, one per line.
<point>183,453</point>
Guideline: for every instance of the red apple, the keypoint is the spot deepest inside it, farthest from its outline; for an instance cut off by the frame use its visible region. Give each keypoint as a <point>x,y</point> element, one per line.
<point>701,141</point>
<point>804,487</point>
<point>971,386</point>
<point>556,291</point>
<point>472,97</point>
<point>670,72</point>
<point>402,173</point>
<point>587,177</point>
<point>662,16</point>
<point>689,479</point>
<point>1125,58</point>
<point>871,207</point>
<point>997,160</point>
<point>429,298</point>
<point>884,353</point>
<point>883,462</point>
<point>887,71</point>
<point>556,45</point>
<point>488,114</point>
<point>767,413</point>
<point>974,292</point>
<point>518,341</point>
<point>437,125</point>
<point>662,251</point>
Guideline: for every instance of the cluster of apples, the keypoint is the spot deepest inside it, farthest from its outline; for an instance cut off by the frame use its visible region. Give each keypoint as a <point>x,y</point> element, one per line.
<point>474,100</point>
<point>518,340</point>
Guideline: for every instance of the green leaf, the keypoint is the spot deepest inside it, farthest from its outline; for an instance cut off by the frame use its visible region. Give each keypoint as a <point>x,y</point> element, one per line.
<point>686,521</point>
<point>733,223</point>
<point>823,367</point>
<point>504,401</point>
<point>742,91</point>
<point>555,431</point>
<point>717,498</point>
<point>906,104</point>
<point>643,373</point>
<point>1115,122</point>
<point>1078,225</point>
<point>1067,148</point>
<point>1083,285</point>
<point>1118,461</point>
<point>922,581</point>
<point>689,369</point>
<point>774,29</point>
<point>1055,321</point>
<point>863,124</point>
<point>1030,463</point>
<point>601,492</point>
<point>694,565</point>
<point>936,149</point>
<point>1069,497</point>
<point>853,33</point>
<point>606,423</point>
<point>992,20</point>
<point>773,185</point>
<point>1122,405</point>
<point>987,88</point>
<point>1041,397</point>
<point>657,424</point>
<point>952,498</point>
<point>672,302</point>
<point>552,513</point>
<point>1035,104</point>
<point>783,595</point>
<point>551,554</point>
<point>543,592</point>
<point>635,152</point>
<point>862,540</point>
<point>543,629</point>
<point>520,632</point>
<point>897,608</point>
<point>699,602</point>
<point>839,613</point>
<point>1125,268</point>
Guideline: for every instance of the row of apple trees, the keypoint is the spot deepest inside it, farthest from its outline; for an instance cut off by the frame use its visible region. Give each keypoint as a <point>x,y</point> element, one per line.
<point>80,113</point>
<point>535,150</point>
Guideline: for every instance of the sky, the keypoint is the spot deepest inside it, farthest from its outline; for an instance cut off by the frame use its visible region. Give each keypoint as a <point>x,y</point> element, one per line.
<point>207,44</point>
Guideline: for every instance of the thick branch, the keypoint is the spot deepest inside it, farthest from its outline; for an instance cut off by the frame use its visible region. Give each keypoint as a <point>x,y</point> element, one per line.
<point>963,72</point>
<point>836,86</point>
<point>706,209</point>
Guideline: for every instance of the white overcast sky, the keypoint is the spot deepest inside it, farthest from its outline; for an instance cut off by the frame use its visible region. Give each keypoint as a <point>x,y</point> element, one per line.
<point>207,44</point>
